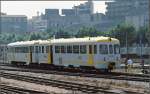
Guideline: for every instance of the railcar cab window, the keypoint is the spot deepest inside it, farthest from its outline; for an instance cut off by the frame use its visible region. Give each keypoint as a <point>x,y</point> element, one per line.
<point>103,49</point>
<point>75,48</point>
<point>110,49</point>
<point>63,49</point>
<point>116,49</point>
<point>57,49</point>
<point>69,49</point>
<point>83,49</point>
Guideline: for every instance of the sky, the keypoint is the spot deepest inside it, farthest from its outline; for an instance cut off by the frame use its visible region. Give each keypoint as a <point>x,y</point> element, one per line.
<point>30,8</point>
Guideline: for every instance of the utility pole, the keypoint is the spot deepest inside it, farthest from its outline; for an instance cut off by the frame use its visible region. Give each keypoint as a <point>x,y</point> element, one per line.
<point>126,44</point>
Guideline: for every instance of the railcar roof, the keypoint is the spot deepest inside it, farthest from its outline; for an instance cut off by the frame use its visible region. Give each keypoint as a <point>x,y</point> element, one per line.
<point>86,39</point>
<point>27,43</point>
<point>68,40</point>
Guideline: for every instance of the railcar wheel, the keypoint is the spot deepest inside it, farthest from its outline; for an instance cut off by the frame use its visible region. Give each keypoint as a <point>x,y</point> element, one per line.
<point>111,66</point>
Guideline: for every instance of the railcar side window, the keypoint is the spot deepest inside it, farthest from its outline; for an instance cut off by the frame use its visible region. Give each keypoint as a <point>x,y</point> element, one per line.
<point>103,49</point>
<point>75,48</point>
<point>83,49</point>
<point>57,49</point>
<point>36,49</point>
<point>110,49</point>
<point>39,50</point>
<point>69,49</point>
<point>25,49</point>
<point>63,49</point>
<point>90,49</point>
<point>32,49</point>
<point>47,50</point>
<point>16,50</point>
<point>42,49</point>
<point>95,49</point>
<point>116,49</point>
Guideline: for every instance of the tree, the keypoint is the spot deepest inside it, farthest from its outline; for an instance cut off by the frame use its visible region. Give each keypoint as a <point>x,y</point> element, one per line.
<point>90,32</point>
<point>141,35</point>
<point>34,36</point>
<point>122,32</point>
<point>62,34</point>
<point>148,35</point>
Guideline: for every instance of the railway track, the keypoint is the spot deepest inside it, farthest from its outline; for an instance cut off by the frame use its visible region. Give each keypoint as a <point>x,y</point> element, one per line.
<point>90,89</point>
<point>112,75</point>
<point>6,89</point>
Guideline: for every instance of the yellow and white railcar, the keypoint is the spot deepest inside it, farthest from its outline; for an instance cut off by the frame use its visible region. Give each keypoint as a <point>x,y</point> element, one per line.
<point>97,52</point>
<point>27,52</point>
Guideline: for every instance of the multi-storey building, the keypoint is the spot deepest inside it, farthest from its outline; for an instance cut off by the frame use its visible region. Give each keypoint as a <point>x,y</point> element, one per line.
<point>68,12</point>
<point>130,11</point>
<point>70,18</point>
<point>13,23</point>
<point>86,8</point>
<point>51,13</point>
<point>37,24</point>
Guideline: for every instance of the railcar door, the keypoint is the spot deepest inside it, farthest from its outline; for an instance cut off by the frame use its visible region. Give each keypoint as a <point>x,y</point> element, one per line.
<point>37,54</point>
<point>90,56</point>
<point>50,54</point>
<point>30,53</point>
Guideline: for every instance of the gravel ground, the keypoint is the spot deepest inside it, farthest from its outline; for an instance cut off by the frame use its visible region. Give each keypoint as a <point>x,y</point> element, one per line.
<point>107,83</point>
<point>33,86</point>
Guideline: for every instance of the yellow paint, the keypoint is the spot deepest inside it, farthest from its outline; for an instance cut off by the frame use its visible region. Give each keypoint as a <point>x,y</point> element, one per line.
<point>30,55</point>
<point>108,40</point>
<point>104,40</point>
<point>90,60</point>
<point>49,56</point>
<point>90,57</point>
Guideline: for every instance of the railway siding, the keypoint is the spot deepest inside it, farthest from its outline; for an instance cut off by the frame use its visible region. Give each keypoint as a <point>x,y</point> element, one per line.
<point>99,82</point>
<point>7,89</point>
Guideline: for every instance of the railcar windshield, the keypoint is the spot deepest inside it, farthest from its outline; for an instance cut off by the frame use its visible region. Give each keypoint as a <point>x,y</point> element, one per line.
<point>116,49</point>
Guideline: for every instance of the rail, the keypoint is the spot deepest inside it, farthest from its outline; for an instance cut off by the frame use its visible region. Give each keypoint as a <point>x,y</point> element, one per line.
<point>62,84</point>
<point>6,89</point>
<point>112,75</point>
